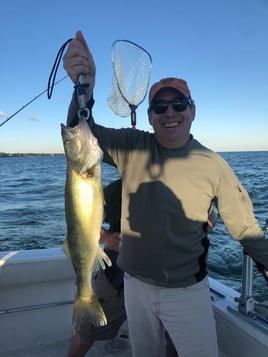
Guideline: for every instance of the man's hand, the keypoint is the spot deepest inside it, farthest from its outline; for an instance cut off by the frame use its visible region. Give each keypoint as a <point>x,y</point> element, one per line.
<point>110,240</point>
<point>79,60</point>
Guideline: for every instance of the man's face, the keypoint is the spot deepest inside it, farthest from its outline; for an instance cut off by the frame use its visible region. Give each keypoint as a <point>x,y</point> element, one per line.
<point>172,128</point>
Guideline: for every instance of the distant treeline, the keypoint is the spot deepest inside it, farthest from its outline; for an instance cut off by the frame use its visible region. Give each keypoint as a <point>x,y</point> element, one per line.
<point>4,154</point>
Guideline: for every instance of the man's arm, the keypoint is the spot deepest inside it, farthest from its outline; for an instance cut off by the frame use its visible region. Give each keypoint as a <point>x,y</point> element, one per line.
<point>79,60</point>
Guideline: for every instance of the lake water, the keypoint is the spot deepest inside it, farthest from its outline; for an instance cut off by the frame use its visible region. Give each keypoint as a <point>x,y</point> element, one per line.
<point>32,209</point>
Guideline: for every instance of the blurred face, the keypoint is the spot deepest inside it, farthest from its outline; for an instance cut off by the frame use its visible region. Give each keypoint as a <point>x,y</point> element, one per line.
<point>172,128</point>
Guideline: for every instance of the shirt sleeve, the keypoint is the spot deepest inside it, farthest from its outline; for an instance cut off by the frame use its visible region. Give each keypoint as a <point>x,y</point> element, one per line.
<point>236,211</point>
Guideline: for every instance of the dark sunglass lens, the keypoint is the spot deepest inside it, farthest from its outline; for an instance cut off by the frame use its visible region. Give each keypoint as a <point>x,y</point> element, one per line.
<point>160,107</point>
<point>179,107</point>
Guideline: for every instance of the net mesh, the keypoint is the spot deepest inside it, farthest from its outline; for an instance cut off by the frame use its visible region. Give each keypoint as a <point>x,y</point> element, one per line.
<point>132,69</point>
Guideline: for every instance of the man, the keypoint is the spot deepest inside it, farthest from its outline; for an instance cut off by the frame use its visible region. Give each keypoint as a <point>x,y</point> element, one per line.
<point>170,182</point>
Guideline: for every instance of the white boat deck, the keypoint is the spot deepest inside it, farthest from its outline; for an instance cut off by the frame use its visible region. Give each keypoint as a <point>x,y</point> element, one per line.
<point>117,347</point>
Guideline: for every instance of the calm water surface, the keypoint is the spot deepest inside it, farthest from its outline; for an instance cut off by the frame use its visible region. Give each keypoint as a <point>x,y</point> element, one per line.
<point>32,208</point>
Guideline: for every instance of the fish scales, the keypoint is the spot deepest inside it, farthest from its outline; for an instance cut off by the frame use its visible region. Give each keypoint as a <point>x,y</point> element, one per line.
<point>84,204</point>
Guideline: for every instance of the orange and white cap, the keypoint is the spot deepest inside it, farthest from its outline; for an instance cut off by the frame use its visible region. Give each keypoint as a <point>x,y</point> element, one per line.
<point>175,83</point>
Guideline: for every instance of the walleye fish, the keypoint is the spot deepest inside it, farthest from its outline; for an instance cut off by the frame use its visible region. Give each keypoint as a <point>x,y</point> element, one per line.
<point>84,202</point>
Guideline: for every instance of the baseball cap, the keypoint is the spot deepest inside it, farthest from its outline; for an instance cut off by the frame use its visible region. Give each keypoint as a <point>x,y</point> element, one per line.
<point>175,83</point>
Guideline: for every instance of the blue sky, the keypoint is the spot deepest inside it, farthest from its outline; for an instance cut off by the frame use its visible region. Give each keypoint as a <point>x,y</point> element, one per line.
<point>219,47</point>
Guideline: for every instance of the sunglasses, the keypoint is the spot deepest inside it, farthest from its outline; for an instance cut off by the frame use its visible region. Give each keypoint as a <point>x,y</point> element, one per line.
<point>179,105</point>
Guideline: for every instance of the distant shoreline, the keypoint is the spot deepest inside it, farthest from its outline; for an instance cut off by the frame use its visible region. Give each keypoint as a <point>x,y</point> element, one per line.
<point>4,154</point>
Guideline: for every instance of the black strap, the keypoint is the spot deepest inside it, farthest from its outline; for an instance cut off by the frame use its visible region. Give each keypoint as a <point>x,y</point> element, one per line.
<point>53,73</point>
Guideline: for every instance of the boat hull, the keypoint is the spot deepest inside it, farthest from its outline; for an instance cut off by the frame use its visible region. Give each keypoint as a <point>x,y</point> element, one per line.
<point>37,290</point>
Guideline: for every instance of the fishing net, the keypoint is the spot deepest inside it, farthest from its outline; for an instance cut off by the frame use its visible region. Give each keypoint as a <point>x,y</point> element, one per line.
<point>131,75</point>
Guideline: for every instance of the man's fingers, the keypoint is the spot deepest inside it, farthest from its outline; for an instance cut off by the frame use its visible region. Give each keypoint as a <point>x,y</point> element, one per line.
<point>80,37</point>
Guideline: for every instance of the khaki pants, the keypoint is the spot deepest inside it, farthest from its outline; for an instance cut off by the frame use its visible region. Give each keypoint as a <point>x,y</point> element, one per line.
<point>185,313</point>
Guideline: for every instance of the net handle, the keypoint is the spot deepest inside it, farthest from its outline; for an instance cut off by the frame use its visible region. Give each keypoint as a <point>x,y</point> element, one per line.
<point>133,115</point>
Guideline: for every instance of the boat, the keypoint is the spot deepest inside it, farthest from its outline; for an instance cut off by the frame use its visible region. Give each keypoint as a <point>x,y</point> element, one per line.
<point>37,289</point>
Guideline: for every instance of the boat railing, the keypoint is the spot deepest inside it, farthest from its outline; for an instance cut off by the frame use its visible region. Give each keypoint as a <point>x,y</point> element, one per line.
<point>247,306</point>
<point>246,302</point>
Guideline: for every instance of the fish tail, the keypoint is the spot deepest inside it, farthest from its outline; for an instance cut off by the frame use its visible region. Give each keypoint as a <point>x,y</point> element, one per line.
<point>89,309</point>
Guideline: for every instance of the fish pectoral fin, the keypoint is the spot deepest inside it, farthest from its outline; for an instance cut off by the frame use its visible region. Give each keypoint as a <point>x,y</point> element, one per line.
<point>65,248</point>
<point>103,257</point>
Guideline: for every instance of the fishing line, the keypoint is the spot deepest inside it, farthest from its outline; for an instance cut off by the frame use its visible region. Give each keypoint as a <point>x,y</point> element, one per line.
<point>32,100</point>
<point>51,82</point>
